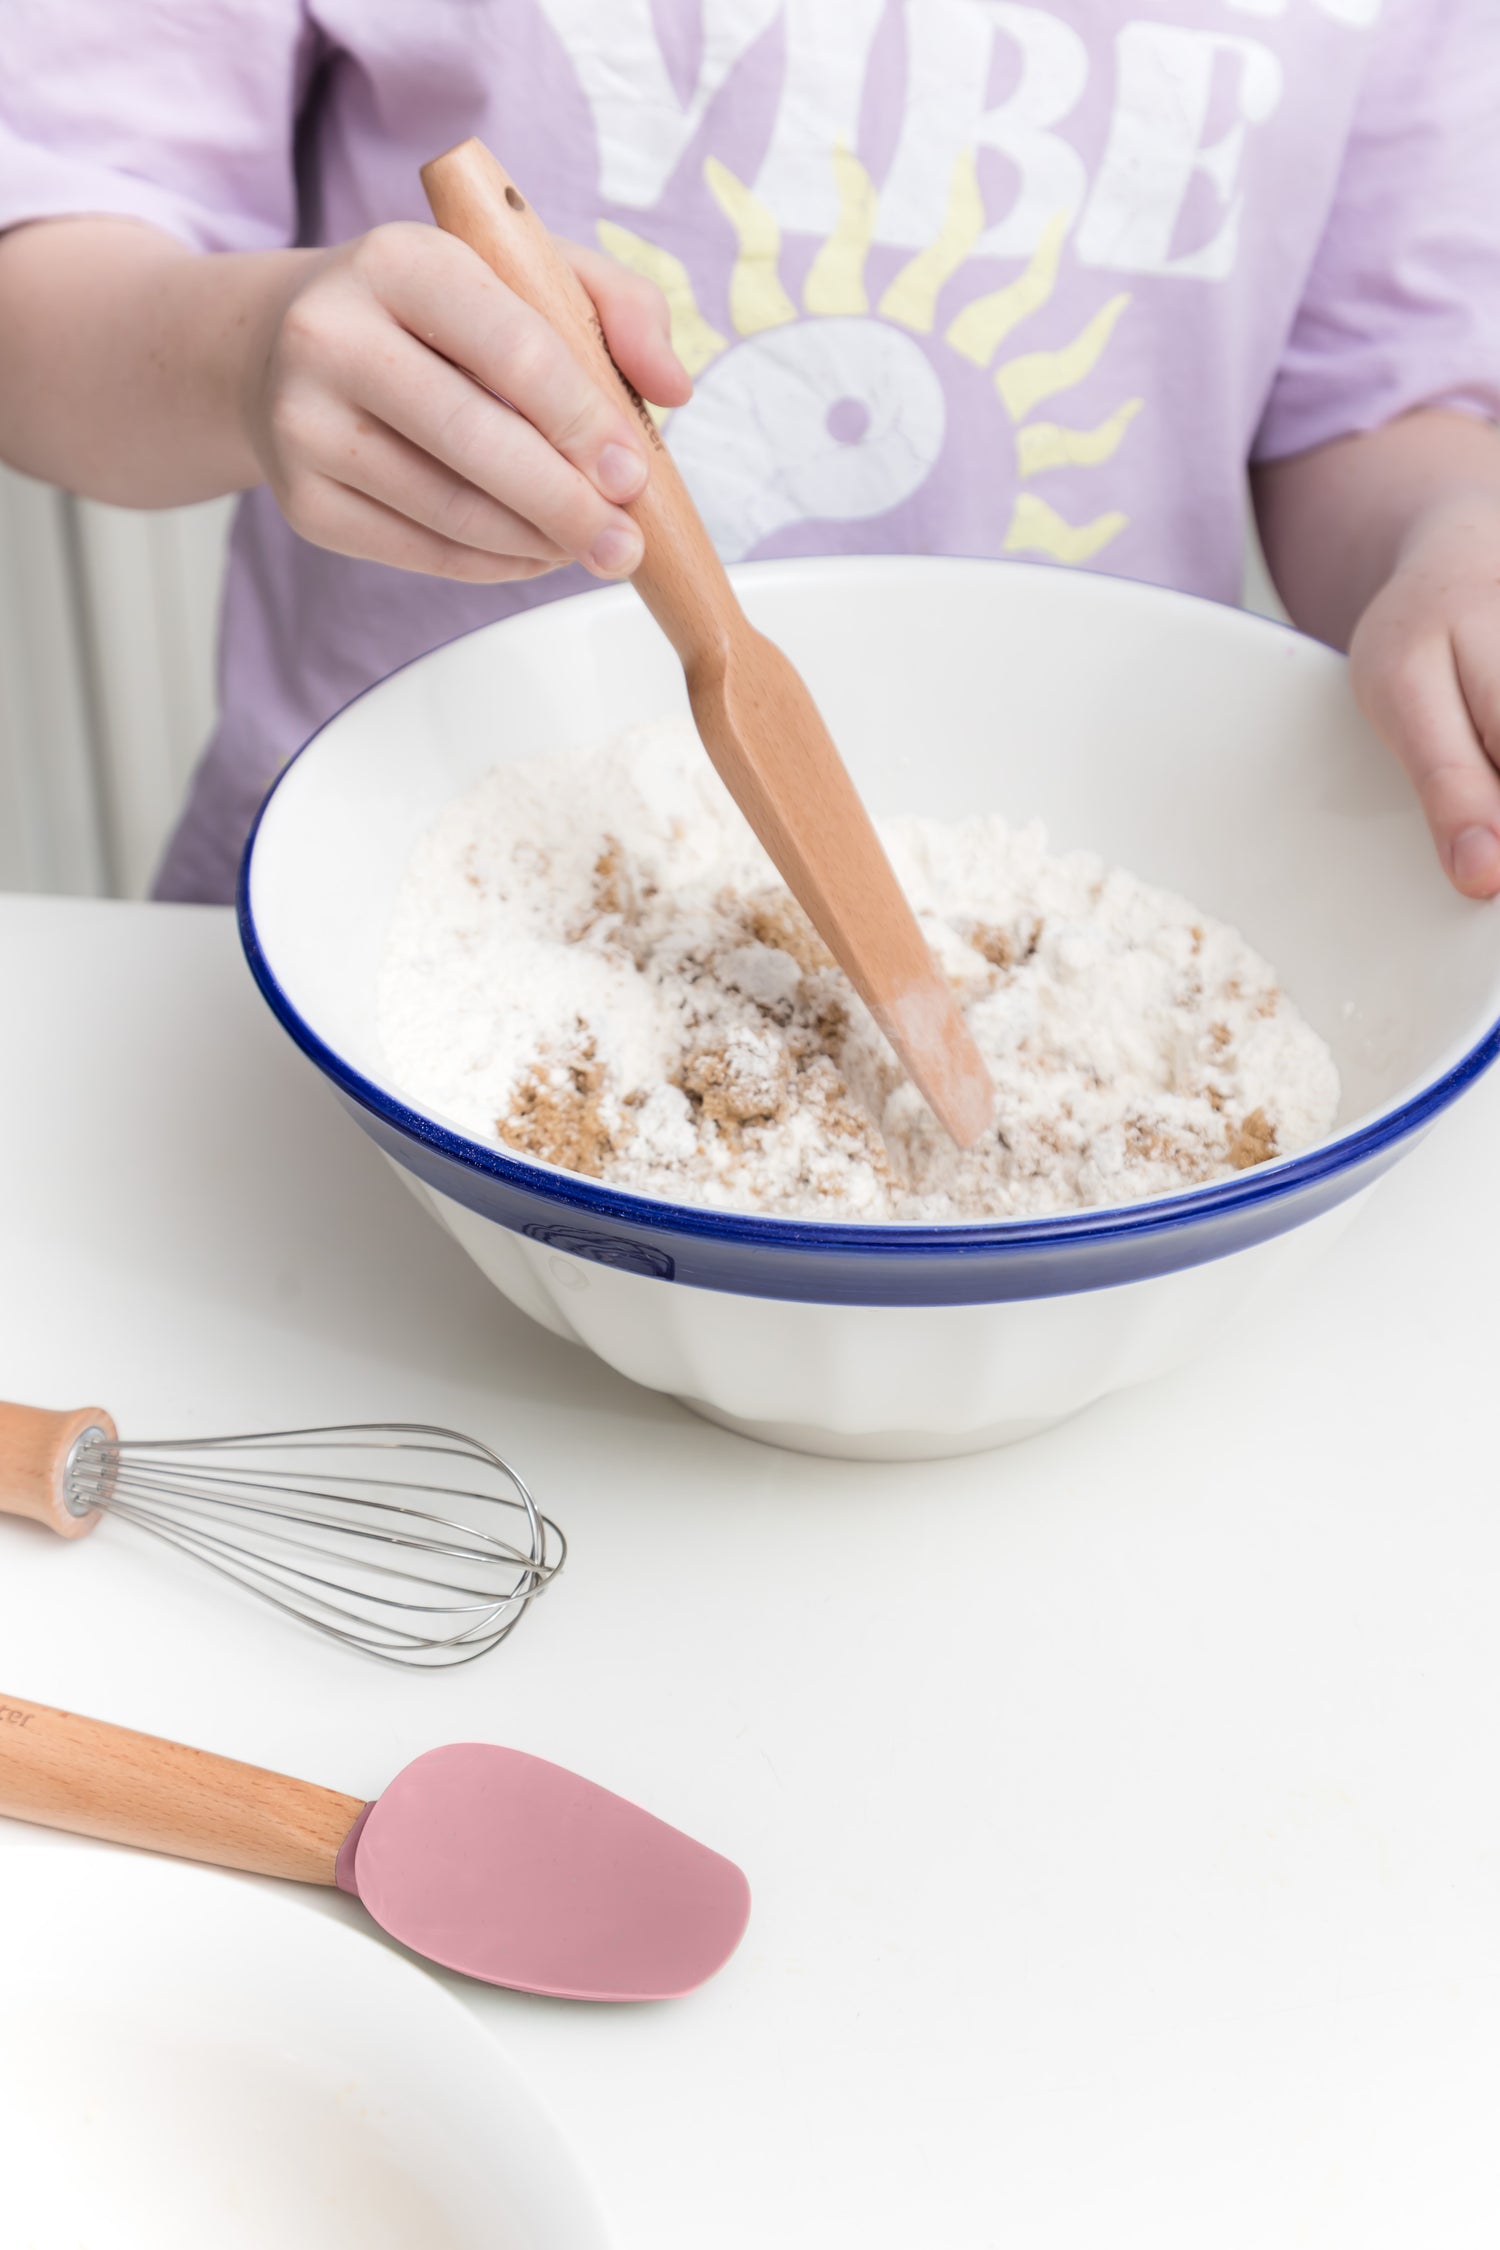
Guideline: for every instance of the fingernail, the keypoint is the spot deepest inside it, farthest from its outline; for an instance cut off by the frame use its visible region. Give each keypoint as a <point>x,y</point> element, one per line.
<point>620,473</point>
<point>1476,859</point>
<point>617,550</point>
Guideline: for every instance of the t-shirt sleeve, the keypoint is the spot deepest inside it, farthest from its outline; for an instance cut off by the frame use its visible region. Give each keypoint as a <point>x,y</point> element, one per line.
<point>179,112</point>
<point>1402,305</point>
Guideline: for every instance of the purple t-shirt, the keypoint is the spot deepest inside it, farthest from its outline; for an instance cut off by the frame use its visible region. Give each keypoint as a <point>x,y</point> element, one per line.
<point>953,276</point>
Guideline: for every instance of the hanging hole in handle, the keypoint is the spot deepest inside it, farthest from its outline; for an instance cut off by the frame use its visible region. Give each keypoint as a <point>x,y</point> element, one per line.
<point>515,199</point>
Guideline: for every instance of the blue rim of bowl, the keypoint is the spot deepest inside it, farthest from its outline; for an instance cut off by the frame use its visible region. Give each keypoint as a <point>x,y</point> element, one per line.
<point>1248,1191</point>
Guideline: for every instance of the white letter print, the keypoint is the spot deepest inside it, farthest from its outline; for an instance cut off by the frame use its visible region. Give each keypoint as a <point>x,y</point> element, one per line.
<point>1155,147</point>
<point>642,127</point>
<point>949,45</point>
<point>827,52</point>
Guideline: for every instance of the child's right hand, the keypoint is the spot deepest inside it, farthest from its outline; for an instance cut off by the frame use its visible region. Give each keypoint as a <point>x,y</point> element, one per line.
<point>375,405</point>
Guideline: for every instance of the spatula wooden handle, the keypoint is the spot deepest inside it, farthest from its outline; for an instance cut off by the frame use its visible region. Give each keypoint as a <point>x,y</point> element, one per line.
<point>680,578</point>
<point>757,721</point>
<point>34,1448</point>
<point>97,1780</point>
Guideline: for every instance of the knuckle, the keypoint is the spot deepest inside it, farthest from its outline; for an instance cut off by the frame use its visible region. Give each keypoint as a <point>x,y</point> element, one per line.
<point>299,496</point>
<point>464,514</point>
<point>1408,678</point>
<point>380,258</point>
<point>293,423</point>
<point>319,307</point>
<point>568,511</point>
<point>526,357</point>
<point>463,426</point>
<point>646,293</point>
<point>1451,794</point>
<point>582,524</point>
<point>579,425</point>
<point>369,262</point>
<point>305,327</point>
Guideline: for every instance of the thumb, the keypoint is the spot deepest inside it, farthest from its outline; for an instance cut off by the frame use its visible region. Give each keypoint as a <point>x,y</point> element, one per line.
<point>637,325</point>
<point>1414,698</point>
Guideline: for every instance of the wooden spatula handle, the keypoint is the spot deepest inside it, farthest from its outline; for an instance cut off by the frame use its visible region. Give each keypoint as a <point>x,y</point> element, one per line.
<point>34,1448</point>
<point>758,723</point>
<point>680,579</point>
<point>97,1780</point>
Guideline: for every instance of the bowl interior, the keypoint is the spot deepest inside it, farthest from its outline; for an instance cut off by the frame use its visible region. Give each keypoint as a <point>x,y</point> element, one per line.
<point>1200,747</point>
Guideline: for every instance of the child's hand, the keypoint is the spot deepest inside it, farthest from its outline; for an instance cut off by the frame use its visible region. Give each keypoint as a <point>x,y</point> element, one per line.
<point>375,411</point>
<point>1425,661</point>
<point>1387,543</point>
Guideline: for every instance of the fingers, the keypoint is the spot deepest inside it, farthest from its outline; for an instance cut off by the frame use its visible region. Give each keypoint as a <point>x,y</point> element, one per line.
<point>1477,860</point>
<point>1412,691</point>
<point>444,293</point>
<point>351,523</point>
<point>372,459</point>
<point>637,326</point>
<point>404,373</point>
<point>442,412</point>
<point>499,451</point>
<point>1476,649</point>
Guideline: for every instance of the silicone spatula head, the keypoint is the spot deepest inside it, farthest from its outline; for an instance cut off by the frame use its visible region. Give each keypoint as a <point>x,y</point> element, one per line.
<point>516,1871</point>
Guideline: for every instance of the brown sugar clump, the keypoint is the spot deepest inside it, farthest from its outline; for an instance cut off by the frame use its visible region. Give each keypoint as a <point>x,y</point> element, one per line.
<point>1254,1143</point>
<point>996,946</point>
<point>557,1114</point>
<point>613,892</point>
<point>1153,1145</point>
<point>773,919</point>
<point>830,1023</point>
<point>735,1083</point>
<point>611,883</point>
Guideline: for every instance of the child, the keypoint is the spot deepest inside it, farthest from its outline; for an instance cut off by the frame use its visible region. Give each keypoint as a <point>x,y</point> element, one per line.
<point>953,276</point>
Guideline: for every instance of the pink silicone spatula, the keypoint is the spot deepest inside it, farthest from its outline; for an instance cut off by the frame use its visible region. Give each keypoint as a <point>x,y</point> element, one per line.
<point>485,1860</point>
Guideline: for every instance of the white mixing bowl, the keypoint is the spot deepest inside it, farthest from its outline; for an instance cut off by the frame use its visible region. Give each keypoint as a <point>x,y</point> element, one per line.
<point>1202,748</point>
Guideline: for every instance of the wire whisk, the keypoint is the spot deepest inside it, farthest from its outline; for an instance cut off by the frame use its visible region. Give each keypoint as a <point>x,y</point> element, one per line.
<point>391,1557</point>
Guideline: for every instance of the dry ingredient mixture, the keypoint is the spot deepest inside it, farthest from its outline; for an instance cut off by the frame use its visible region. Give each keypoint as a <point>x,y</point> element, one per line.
<point>592,961</point>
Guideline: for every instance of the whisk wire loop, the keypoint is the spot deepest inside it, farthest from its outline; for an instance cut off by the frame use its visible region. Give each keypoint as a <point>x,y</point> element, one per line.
<point>333,1547</point>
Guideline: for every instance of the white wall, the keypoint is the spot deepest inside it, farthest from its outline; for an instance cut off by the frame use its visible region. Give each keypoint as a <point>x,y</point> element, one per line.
<point>51,837</point>
<point>107,626</point>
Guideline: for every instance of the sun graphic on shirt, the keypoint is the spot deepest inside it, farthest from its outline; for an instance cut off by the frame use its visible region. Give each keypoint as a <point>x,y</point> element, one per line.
<point>835,413</point>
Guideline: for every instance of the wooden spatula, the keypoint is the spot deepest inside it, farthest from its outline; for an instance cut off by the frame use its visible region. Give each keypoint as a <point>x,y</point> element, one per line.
<point>486,1860</point>
<point>759,724</point>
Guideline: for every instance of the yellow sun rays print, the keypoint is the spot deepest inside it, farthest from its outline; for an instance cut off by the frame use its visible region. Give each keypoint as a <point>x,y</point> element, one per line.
<point>754,442</point>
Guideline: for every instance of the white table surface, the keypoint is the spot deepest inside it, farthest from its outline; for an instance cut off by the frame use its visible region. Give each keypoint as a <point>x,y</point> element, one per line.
<point>1122,1811</point>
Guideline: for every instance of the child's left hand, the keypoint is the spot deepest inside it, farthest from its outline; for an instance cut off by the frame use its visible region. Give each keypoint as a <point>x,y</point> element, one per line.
<point>1425,663</point>
<point>1387,543</point>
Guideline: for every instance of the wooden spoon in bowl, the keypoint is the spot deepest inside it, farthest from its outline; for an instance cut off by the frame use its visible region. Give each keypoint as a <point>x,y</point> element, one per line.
<point>758,722</point>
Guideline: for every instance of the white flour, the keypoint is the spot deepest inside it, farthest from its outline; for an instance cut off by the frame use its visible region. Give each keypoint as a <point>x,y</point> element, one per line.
<point>592,960</point>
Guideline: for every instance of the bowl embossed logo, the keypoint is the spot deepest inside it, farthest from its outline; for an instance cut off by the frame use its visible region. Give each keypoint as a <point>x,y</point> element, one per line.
<point>605,1250</point>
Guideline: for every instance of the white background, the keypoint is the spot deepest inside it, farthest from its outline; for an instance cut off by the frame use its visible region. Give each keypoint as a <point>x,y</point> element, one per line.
<point>107,627</point>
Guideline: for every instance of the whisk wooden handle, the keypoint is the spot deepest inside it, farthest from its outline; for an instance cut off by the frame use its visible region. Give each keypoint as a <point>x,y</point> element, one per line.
<point>96,1780</point>
<point>680,578</point>
<point>34,1448</point>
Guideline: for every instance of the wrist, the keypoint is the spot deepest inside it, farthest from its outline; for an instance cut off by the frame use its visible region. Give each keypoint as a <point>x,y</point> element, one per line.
<point>238,314</point>
<point>1464,520</point>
